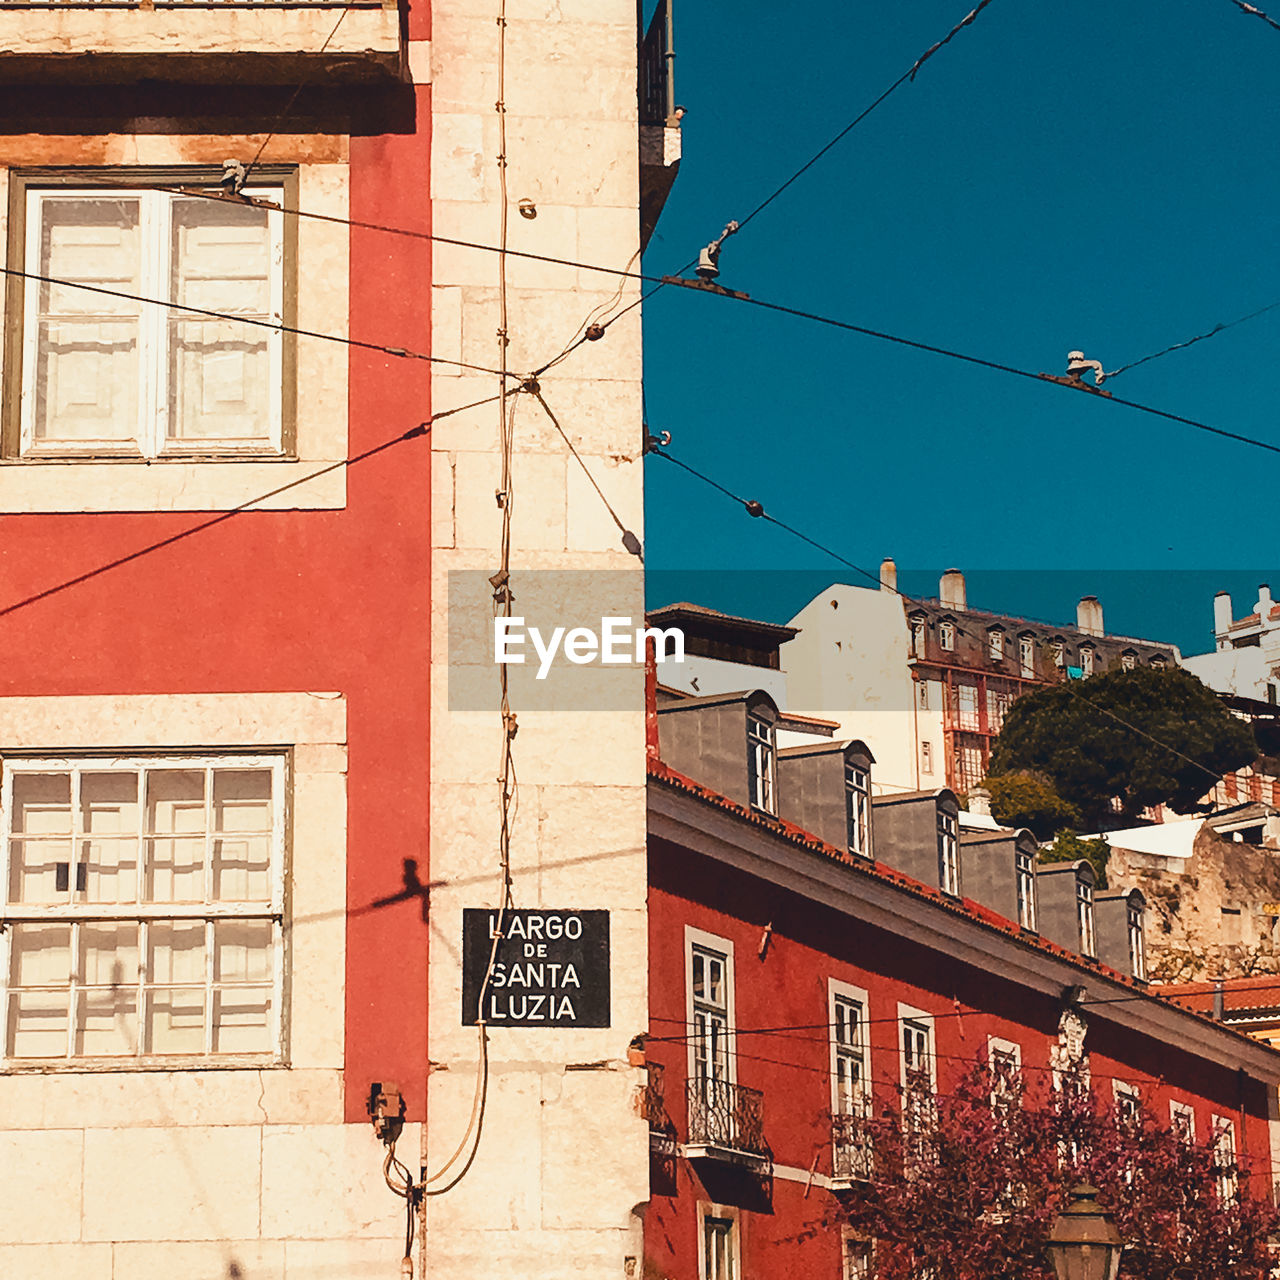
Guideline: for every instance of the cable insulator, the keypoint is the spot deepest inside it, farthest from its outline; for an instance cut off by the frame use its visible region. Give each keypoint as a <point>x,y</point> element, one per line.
<point>753,508</point>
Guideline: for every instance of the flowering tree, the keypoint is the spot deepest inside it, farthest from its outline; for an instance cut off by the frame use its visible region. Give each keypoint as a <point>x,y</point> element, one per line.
<point>966,1185</point>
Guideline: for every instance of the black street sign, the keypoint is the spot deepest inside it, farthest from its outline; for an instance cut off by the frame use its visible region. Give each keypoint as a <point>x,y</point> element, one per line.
<point>551,968</point>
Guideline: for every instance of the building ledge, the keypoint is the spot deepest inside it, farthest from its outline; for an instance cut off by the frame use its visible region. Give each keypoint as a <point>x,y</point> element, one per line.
<point>267,43</point>
<point>726,1155</point>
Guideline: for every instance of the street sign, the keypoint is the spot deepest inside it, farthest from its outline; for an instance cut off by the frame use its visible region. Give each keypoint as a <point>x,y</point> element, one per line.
<point>551,967</point>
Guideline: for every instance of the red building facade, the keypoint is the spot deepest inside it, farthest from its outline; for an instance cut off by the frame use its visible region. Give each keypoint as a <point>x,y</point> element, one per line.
<point>812,980</point>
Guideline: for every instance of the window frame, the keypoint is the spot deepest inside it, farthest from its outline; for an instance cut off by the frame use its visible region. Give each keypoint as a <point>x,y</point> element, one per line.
<point>1128,1102</point>
<point>1084,917</point>
<point>1000,1052</point>
<point>719,1213</point>
<point>857,1256</point>
<point>1088,660</point>
<point>17,377</point>
<point>1227,1173</point>
<point>948,836</point>
<point>279,762</point>
<point>857,792</point>
<point>1135,920</point>
<point>843,992</point>
<point>1024,874</point>
<point>926,757</point>
<point>995,644</point>
<point>947,635</point>
<point>696,940</point>
<point>762,786</point>
<point>1026,656</point>
<point>1183,1111</point>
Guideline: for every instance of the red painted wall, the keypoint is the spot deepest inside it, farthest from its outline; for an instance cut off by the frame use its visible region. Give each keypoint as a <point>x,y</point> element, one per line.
<point>273,601</point>
<point>785,992</point>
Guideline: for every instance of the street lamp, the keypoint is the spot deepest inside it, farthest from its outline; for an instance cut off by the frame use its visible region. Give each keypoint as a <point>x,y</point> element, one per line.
<point>1084,1243</point>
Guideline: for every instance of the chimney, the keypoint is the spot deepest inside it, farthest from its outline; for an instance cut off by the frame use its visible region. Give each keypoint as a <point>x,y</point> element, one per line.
<point>1089,616</point>
<point>980,801</point>
<point>1222,613</point>
<point>1264,603</point>
<point>888,575</point>
<point>951,590</point>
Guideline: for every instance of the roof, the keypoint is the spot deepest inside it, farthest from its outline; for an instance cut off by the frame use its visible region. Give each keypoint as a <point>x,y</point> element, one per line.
<point>820,748</point>
<point>670,614</point>
<point>1261,991</point>
<point>1164,840</point>
<point>664,775</point>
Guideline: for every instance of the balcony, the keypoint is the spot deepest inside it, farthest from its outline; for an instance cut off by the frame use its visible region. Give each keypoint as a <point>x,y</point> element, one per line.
<point>210,41</point>
<point>850,1150</point>
<point>726,1122</point>
<point>659,118</point>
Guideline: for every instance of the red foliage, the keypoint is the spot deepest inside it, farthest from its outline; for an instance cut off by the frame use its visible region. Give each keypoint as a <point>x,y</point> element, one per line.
<point>969,1190</point>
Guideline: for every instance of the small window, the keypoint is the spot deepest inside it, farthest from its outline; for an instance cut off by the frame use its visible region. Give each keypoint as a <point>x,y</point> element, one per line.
<point>761,763</point>
<point>1128,660</point>
<point>1005,1062</point>
<point>1128,1106</point>
<point>947,635</point>
<point>857,1259</point>
<point>967,707</point>
<point>1026,875</point>
<point>1182,1120</point>
<point>1086,660</point>
<point>1137,942</point>
<point>719,1248</point>
<point>948,853</point>
<point>1059,650</point>
<point>143,907</point>
<point>926,757</point>
<point>995,645</point>
<point>1161,661</point>
<point>1084,915</point>
<point>857,785</point>
<point>1224,1157</point>
<point>1271,693</point>
<point>917,636</point>
<point>104,375</point>
<point>1026,656</point>
<point>922,695</point>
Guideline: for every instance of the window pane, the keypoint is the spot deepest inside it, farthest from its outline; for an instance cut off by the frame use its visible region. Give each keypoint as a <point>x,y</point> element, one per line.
<point>107,1022</point>
<point>242,1020</point>
<point>40,956</point>
<point>242,865</point>
<point>109,815</point>
<point>109,954</point>
<point>39,868</point>
<point>175,865</point>
<point>176,953</point>
<point>86,385</point>
<point>175,1021</point>
<point>220,370</point>
<point>176,998</point>
<point>242,951</point>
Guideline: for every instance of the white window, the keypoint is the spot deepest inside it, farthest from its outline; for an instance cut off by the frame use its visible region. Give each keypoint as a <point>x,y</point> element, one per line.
<point>967,706</point>
<point>719,1245</point>
<point>919,1079</point>
<point>1025,864</point>
<point>1084,915</point>
<point>1004,1057</point>
<point>1128,659</point>
<point>999,701</point>
<point>1161,661</point>
<point>857,785</point>
<point>760,759</point>
<point>1026,656</point>
<point>850,1080</point>
<point>1137,942</point>
<point>1224,1157</point>
<point>1086,660</point>
<point>922,694</point>
<point>948,853</point>
<point>1059,650</point>
<point>709,969</point>
<point>106,374</point>
<point>917,637</point>
<point>856,1258</point>
<point>1182,1120</point>
<point>995,645</point>
<point>947,635</point>
<point>1128,1104</point>
<point>926,757</point>
<point>143,907</point>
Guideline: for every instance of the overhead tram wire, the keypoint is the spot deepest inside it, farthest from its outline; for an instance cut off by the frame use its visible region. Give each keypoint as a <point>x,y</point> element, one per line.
<point>1190,342</point>
<point>402,353</point>
<point>1255,12</point>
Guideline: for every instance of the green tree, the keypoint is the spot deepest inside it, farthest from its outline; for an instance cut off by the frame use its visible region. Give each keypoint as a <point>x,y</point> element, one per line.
<point>1069,847</point>
<point>1143,737</point>
<point>1026,799</point>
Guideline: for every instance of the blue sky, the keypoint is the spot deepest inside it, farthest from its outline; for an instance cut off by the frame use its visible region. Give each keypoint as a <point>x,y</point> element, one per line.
<point>1100,176</point>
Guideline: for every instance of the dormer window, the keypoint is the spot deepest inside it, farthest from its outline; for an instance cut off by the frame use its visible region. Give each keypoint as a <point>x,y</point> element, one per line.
<point>857,787</point>
<point>1026,656</point>
<point>1026,876</point>
<point>917,635</point>
<point>947,635</point>
<point>761,763</point>
<point>995,644</point>
<point>1159,660</point>
<point>1086,660</point>
<point>1128,660</point>
<point>1137,943</point>
<point>1059,650</point>
<point>948,853</point>
<point>1084,916</point>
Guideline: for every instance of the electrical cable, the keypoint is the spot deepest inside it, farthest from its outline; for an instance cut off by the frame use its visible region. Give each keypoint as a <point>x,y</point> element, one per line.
<point>1255,12</point>
<point>420,430</point>
<point>288,106</point>
<point>276,326</point>
<point>1190,342</point>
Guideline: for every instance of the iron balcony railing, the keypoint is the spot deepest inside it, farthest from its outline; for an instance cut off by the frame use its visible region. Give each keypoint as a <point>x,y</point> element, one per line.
<point>851,1146</point>
<point>727,1117</point>
<point>657,69</point>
